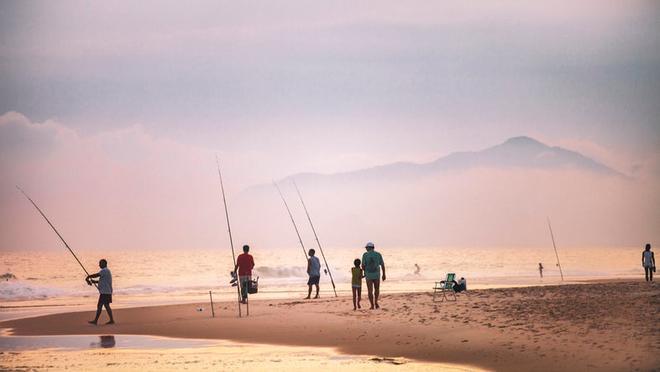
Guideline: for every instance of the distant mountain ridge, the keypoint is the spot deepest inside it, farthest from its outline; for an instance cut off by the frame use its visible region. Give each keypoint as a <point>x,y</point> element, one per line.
<point>516,152</point>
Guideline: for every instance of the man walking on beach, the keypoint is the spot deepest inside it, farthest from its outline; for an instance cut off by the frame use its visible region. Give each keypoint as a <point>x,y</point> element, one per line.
<point>104,285</point>
<point>648,261</point>
<point>244,265</point>
<point>372,261</point>
<point>314,272</point>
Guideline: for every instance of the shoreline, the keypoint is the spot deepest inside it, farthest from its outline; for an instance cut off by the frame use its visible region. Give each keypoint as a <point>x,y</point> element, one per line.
<point>570,327</point>
<point>133,300</point>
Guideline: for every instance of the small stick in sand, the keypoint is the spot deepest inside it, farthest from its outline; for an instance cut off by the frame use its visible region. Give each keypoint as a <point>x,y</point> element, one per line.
<point>212,311</point>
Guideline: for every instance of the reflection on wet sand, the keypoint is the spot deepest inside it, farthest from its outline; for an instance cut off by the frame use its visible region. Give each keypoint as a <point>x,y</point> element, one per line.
<point>81,342</point>
<point>105,341</point>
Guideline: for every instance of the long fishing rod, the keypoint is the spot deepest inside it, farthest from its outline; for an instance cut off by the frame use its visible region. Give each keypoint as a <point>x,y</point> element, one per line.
<point>316,237</point>
<point>295,227</point>
<point>56,232</point>
<point>555,247</point>
<point>231,240</point>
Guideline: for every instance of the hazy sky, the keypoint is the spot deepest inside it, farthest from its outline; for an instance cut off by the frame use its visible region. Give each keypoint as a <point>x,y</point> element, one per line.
<point>124,98</point>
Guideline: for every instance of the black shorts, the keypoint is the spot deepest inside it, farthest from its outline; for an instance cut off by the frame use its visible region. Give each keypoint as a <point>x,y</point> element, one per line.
<point>105,299</point>
<point>314,280</point>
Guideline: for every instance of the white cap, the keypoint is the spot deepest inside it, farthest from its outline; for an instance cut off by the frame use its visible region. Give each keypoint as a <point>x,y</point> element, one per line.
<point>369,245</point>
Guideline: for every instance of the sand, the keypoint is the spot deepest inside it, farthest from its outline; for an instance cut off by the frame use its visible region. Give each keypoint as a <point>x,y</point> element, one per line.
<point>604,326</point>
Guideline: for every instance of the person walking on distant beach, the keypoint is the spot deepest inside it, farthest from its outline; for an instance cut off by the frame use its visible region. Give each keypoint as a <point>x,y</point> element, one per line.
<point>314,272</point>
<point>104,285</point>
<point>648,261</point>
<point>356,283</point>
<point>541,270</point>
<point>372,261</point>
<point>244,265</point>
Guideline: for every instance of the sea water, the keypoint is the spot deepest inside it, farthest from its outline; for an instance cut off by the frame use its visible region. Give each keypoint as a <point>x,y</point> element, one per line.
<point>50,280</point>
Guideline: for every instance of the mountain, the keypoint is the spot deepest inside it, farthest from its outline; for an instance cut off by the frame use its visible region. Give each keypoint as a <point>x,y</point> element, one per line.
<point>516,152</point>
<point>448,201</point>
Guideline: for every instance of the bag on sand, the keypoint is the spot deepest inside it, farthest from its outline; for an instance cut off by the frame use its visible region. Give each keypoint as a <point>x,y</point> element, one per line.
<point>253,286</point>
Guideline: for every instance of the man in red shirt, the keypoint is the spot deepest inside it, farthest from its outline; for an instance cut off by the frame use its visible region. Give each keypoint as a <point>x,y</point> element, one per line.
<point>244,265</point>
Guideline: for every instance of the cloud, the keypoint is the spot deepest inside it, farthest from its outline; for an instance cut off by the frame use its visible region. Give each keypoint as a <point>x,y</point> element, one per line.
<point>116,188</point>
<point>21,138</point>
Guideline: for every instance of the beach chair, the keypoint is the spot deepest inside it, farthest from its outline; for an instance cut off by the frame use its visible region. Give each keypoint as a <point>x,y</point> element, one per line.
<point>444,287</point>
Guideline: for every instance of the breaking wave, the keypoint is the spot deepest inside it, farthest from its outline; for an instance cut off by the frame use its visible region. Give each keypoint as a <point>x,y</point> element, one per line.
<point>17,290</point>
<point>281,272</point>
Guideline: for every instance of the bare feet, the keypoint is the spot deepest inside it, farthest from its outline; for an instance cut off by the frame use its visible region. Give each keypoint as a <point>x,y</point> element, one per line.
<point>92,322</point>
<point>377,307</point>
<point>110,322</point>
<point>307,298</point>
<point>315,297</point>
<point>359,307</point>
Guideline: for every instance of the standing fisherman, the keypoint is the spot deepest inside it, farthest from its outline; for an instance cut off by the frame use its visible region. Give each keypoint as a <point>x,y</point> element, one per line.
<point>648,262</point>
<point>105,277</point>
<point>314,272</point>
<point>244,265</point>
<point>105,291</point>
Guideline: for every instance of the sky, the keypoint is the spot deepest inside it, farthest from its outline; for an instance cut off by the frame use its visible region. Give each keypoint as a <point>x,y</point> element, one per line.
<point>111,113</point>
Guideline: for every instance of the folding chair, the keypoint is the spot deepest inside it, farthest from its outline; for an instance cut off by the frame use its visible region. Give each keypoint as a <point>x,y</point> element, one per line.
<point>444,287</point>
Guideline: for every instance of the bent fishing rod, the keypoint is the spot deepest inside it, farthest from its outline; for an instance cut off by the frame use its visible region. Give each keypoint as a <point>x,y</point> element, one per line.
<point>555,247</point>
<point>231,240</point>
<point>295,227</point>
<point>316,237</point>
<point>56,232</point>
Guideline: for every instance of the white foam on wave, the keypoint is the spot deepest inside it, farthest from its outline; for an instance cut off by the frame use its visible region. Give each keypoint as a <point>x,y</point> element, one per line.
<point>281,271</point>
<point>19,290</point>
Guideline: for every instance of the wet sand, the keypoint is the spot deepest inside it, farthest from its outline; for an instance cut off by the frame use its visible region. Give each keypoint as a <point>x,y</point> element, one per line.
<point>215,358</point>
<point>604,326</point>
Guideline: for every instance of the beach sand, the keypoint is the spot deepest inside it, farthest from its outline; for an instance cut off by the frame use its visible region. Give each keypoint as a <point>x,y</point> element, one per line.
<point>605,326</point>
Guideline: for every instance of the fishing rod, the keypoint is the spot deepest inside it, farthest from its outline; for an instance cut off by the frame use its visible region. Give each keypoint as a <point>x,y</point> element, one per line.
<point>555,247</point>
<point>295,227</point>
<point>316,237</point>
<point>56,232</point>
<point>231,240</point>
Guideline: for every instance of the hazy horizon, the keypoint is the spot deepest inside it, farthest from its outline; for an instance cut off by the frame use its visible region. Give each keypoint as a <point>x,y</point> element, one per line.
<point>111,116</point>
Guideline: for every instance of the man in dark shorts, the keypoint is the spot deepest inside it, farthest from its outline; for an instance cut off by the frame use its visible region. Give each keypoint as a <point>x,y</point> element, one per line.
<point>314,272</point>
<point>372,262</point>
<point>244,265</point>
<point>104,285</point>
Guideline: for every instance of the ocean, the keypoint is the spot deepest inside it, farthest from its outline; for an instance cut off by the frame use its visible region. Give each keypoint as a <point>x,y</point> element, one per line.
<point>51,280</point>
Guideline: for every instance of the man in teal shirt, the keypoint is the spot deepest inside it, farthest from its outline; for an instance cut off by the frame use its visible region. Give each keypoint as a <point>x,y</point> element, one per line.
<point>371,263</point>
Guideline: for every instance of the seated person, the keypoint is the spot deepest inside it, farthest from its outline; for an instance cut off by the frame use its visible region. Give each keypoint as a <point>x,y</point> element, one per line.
<point>459,286</point>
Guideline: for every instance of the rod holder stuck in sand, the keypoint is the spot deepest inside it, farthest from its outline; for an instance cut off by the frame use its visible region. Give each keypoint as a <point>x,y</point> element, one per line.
<point>212,310</point>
